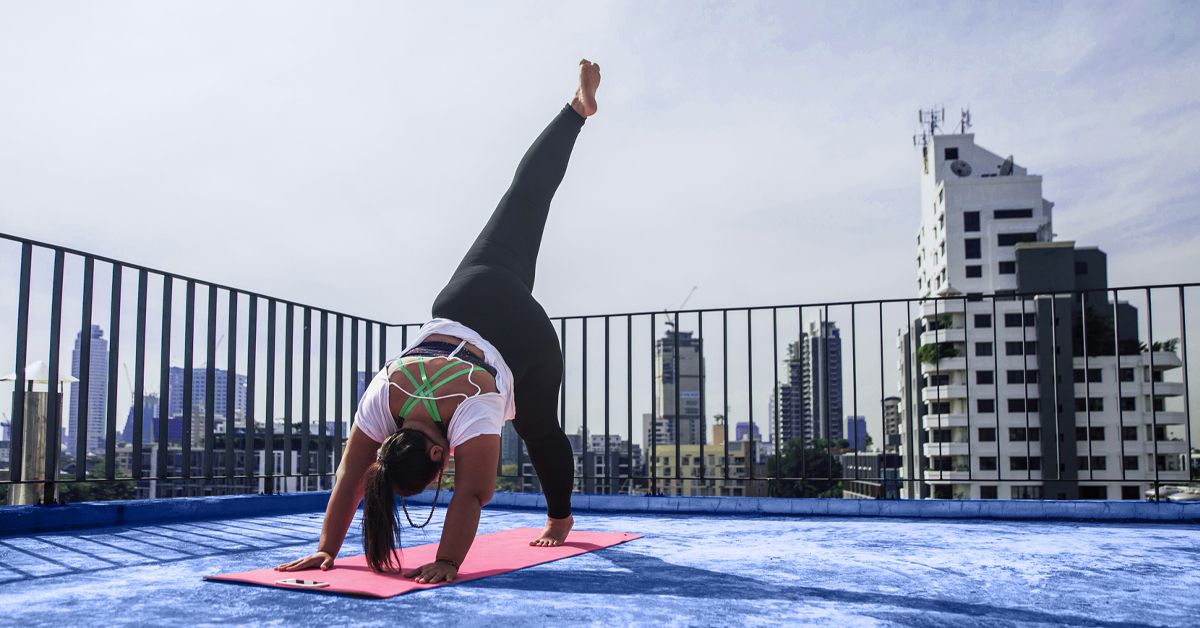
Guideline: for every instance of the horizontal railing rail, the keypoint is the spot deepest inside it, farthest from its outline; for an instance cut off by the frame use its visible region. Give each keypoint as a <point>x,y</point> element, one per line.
<point>1067,393</point>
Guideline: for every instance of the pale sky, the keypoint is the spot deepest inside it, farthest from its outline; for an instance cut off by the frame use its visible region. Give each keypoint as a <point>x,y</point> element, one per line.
<point>345,154</point>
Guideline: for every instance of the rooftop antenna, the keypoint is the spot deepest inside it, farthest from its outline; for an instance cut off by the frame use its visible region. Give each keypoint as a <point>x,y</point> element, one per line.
<point>964,120</point>
<point>930,121</point>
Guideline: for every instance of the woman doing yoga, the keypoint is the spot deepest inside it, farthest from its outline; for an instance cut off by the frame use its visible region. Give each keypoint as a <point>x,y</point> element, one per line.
<point>489,355</point>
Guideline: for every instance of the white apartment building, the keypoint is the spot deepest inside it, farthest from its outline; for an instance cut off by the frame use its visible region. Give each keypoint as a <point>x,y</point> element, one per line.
<point>997,397</point>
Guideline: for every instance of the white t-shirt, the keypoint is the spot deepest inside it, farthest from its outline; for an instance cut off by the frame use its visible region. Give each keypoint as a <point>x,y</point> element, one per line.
<point>484,413</point>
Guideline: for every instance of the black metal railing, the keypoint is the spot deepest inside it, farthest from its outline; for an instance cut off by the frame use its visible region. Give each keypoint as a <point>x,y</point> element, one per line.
<point>915,367</point>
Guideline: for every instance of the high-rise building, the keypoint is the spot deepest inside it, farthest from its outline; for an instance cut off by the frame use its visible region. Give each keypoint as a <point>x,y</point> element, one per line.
<point>891,422</point>
<point>200,389</point>
<point>743,431</point>
<point>510,444</point>
<point>856,432</point>
<point>97,389</point>
<point>149,421</point>
<point>661,429</point>
<point>810,403</point>
<point>1000,399</point>
<point>605,466</point>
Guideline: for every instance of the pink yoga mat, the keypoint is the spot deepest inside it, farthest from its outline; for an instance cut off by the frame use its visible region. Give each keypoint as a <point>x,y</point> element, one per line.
<point>491,554</point>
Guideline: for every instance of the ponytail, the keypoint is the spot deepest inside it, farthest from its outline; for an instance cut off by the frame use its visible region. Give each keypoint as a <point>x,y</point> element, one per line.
<point>402,467</point>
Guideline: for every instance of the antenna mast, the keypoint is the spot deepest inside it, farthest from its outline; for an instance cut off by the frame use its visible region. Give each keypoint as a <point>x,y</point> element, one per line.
<point>930,121</point>
<point>964,120</point>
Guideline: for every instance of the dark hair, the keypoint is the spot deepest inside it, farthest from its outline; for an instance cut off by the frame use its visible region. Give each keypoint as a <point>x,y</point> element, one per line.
<point>402,467</point>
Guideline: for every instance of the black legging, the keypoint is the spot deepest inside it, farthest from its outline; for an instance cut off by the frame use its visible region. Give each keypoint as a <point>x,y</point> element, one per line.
<point>491,292</point>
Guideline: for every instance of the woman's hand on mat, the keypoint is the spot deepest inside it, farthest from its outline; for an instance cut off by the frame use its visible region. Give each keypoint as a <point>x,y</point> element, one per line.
<point>317,559</point>
<point>439,571</point>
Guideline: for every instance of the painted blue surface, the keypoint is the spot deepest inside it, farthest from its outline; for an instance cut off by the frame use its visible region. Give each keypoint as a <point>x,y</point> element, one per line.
<point>29,519</point>
<point>689,569</point>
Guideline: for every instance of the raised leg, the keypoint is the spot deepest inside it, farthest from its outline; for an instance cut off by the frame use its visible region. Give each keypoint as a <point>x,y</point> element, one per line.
<point>512,237</point>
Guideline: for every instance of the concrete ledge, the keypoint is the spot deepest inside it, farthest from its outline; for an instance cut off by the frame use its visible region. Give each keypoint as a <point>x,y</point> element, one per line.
<point>28,519</point>
<point>25,519</point>
<point>1089,510</point>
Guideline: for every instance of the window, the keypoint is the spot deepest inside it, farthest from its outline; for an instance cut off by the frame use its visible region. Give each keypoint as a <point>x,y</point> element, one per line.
<point>1160,404</point>
<point>1031,376</point>
<point>983,320</point>
<point>985,377</point>
<point>1021,463</point>
<point>987,463</point>
<point>1015,377</point>
<point>1128,404</point>
<point>1093,492</point>
<point>983,349</point>
<point>1130,492</point>
<point>1016,405</point>
<point>1014,319</point>
<point>1125,375</point>
<point>950,154</point>
<point>1092,376</point>
<point>1006,214</point>
<point>1008,268</point>
<point>988,492</point>
<point>1129,432</point>
<point>1009,239</point>
<point>987,434</point>
<point>1027,492</point>
<point>939,408</point>
<point>1099,463</point>
<point>1130,463</point>
<point>973,249</point>
<point>1022,434</point>
<point>1080,268</point>
<point>1012,348</point>
<point>985,406</point>
<point>1093,404</point>
<point>970,221</point>
<point>1097,433</point>
<point>974,271</point>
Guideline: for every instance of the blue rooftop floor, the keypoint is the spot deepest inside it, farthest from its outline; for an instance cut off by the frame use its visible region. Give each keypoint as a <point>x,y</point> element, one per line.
<point>689,569</point>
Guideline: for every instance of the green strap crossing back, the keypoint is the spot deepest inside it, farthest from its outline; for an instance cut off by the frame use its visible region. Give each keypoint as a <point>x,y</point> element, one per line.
<point>428,385</point>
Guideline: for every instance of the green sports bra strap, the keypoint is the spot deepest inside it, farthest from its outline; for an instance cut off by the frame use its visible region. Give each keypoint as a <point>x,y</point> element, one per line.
<point>427,387</point>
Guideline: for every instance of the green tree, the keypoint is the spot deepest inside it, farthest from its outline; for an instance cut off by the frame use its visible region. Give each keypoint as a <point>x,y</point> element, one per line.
<point>814,464</point>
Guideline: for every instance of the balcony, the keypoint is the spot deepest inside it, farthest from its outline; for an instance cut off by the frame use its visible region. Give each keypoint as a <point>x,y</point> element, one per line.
<point>944,393</point>
<point>943,335</point>
<point>946,449</point>
<point>928,309</point>
<point>1163,389</point>
<point>945,365</point>
<point>939,421</point>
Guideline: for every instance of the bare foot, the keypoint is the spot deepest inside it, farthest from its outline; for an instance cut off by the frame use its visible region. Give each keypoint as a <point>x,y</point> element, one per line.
<point>584,101</point>
<point>555,532</point>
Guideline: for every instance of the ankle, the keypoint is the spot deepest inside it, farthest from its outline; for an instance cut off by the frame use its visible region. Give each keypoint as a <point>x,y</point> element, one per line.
<point>577,105</point>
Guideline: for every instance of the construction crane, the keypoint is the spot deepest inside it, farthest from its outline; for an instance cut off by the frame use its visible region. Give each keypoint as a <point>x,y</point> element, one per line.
<point>673,324</point>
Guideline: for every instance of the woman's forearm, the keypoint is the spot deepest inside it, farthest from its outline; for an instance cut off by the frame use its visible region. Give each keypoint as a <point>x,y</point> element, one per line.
<point>343,502</point>
<point>458,531</point>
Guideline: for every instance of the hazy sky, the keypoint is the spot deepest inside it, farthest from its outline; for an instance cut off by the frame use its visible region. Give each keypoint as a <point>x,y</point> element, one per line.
<point>345,154</point>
